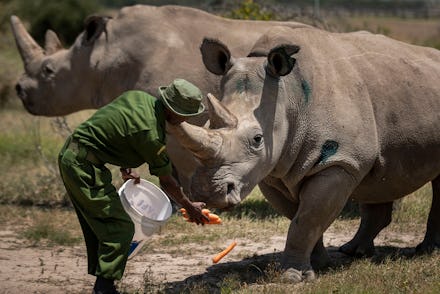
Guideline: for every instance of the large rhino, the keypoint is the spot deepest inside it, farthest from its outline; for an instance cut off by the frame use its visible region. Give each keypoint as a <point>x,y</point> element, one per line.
<point>143,47</point>
<point>315,118</point>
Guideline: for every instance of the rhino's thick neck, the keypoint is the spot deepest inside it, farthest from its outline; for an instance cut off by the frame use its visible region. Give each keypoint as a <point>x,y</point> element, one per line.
<point>298,98</point>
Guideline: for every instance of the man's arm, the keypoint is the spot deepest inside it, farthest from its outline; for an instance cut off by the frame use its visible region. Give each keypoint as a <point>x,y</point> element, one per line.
<point>173,189</point>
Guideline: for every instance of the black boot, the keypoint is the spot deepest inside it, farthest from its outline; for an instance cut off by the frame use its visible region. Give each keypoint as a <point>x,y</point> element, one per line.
<point>104,286</point>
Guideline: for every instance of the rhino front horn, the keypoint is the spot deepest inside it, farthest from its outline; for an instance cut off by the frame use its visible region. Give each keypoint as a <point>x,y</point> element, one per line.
<point>28,48</point>
<point>203,143</point>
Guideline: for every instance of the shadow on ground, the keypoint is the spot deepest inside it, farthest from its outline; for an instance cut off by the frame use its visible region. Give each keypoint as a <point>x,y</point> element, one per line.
<point>263,269</point>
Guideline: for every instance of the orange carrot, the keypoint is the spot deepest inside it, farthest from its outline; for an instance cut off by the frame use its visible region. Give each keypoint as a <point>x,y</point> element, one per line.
<point>213,218</point>
<point>222,254</point>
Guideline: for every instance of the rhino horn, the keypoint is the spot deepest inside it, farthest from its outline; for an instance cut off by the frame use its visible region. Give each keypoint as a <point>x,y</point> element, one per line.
<point>52,44</point>
<point>219,116</point>
<point>203,143</point>
<point>28,48</point>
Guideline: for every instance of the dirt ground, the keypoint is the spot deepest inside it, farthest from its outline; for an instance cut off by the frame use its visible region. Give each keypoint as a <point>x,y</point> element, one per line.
<point>28,269</point>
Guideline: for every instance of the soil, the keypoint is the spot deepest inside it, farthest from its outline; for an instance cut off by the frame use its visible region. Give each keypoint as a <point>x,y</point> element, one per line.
<point>62,269</point>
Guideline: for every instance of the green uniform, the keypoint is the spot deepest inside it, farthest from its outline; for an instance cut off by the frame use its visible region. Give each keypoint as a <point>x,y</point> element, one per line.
<point>127,132</point>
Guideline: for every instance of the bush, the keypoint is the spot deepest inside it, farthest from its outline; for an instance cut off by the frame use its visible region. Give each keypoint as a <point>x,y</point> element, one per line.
<point>248,9</point>
<point>66,17</point>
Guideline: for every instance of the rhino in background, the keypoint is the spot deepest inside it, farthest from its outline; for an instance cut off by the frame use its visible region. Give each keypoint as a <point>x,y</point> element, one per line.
<point>143,47</point>
<point>316,118</point>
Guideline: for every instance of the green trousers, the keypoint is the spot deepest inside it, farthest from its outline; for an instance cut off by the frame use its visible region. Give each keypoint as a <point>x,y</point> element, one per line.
<point>107,228</point>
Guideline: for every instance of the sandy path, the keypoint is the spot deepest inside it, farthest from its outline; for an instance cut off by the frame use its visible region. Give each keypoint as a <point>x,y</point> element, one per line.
<point>28,269</point>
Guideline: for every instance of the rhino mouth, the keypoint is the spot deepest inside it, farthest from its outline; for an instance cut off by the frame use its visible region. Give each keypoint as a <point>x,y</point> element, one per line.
<point>221,195</point>
<point>24,97</point>
<point>232,195</point>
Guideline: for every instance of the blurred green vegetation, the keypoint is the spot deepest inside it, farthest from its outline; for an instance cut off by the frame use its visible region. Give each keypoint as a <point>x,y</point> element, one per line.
<point>250,10</point>
<point>64,17</point>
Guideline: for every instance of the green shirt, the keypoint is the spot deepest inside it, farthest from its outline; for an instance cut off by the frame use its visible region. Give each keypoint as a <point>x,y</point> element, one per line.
<point>128,132</point>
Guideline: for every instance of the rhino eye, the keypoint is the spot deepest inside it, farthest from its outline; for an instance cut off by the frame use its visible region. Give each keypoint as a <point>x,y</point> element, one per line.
<point>257,141</point>
<point>48,69</point>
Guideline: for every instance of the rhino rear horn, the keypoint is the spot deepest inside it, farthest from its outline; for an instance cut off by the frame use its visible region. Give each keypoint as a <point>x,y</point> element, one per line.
<point>52,44</point>
<point>219,115</point>
<point>280,62</point>
<point>216,56</point>
<point>28,48</point>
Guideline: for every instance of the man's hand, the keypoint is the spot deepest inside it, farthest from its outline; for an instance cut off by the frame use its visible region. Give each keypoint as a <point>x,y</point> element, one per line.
<point>127,174</point>
<point>194,211</point>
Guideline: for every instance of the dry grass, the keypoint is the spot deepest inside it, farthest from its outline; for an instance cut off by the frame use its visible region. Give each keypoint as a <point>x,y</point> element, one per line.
<point>425,32</point>
<point>389,271</point>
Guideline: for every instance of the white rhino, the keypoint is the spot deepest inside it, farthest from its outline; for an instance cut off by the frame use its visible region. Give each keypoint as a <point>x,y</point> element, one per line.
<point>143,47</point>
<point>351,115</point>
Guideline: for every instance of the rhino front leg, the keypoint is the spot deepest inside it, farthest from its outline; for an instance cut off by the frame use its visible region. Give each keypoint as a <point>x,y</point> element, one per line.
<point>432,236</point>
<point>320,258</point>
<point>322,197</point>
<point>374,217</point>
<point>275,192</point>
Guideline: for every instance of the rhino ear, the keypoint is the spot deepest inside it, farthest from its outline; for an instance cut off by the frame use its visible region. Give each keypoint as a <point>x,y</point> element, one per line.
<point>279,60</point>
<point>94,26</point>
<point>216,56</point>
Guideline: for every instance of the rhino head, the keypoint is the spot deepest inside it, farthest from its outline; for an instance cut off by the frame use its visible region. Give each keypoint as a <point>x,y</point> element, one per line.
<point>53,72</point>
<point>248,129</point>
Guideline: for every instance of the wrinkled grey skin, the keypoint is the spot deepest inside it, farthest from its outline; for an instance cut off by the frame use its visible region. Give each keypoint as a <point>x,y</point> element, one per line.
<point>143,47</point>
<point>315,118</point>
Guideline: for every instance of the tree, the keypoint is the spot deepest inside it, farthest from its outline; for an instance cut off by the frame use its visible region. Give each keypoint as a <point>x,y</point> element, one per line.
<point>65,17</point>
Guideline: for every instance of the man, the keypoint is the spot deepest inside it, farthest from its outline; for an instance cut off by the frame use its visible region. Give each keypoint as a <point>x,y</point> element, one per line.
<point>127,133</point>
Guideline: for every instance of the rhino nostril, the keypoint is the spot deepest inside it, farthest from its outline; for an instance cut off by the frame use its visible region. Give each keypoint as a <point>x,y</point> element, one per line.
<point>230,188</point>
<point>19,90</point>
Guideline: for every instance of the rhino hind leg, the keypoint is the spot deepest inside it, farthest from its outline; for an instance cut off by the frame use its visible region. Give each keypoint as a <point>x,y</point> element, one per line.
<point>432,236</point>
<point>374,217</point>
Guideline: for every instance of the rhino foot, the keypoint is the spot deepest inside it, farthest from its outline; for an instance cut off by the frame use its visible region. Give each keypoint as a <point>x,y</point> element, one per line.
<point>294,276</point>
<point>320,259</point>
<point>427,247</point>
<point>355,249</point>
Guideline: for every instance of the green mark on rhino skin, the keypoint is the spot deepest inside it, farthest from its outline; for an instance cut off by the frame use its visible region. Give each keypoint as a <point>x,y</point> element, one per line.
<point>328,149</point>
<point>242,85</point>
<point>307,90</point>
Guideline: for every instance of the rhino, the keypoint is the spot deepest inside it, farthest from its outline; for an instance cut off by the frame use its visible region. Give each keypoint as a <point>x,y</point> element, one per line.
<point>315,118</point>
<point>142,48</point>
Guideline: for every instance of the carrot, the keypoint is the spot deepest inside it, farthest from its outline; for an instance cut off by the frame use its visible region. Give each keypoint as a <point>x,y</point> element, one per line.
<point>213,218</point>
<point>222,254</point>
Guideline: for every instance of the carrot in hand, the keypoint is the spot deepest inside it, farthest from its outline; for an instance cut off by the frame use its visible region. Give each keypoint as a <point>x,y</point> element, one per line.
<point>222,254</point>
<point>213,218</point>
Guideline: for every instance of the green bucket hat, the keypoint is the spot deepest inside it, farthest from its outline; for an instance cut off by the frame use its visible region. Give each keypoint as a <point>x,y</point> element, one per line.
<point>182,98</point>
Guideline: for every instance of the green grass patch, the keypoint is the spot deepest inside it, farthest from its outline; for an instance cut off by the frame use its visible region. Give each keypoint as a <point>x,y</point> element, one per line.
<point>255,206</point>
<point>400,275</point>
<point>46,230</point>
<point>48,227</point>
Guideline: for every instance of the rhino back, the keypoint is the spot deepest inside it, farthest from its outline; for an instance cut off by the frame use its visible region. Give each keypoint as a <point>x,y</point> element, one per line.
<point>379,99</point>
<point>168,39</point>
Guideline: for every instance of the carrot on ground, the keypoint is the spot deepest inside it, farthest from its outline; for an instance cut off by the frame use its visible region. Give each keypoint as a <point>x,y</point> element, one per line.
<point>222,254</point>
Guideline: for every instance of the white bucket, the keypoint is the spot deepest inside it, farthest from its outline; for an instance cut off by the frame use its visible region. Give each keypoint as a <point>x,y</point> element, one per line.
<point>147,205</point>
